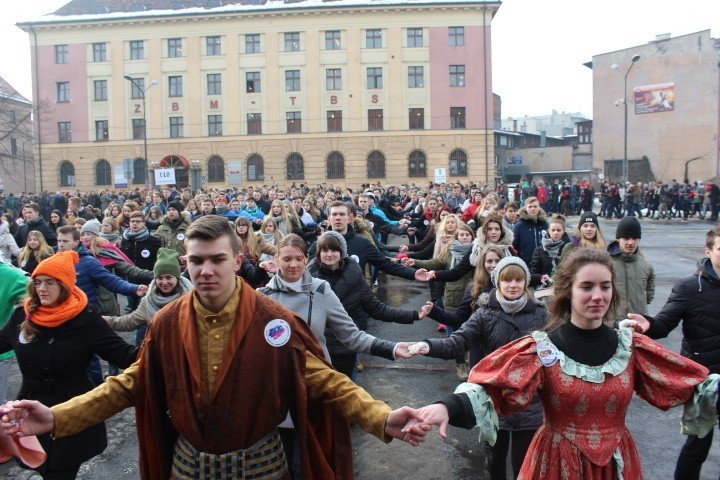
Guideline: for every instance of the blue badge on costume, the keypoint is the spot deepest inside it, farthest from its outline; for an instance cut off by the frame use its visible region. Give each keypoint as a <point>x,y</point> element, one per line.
<point>547,353</point>
<point>277,332</point>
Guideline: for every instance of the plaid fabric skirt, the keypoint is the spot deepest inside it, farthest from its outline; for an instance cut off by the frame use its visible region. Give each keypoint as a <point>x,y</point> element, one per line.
<point>264,460</point>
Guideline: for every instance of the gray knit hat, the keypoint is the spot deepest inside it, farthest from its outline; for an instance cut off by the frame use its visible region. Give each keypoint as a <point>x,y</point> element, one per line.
<point>341,239</point>
<point>92,226</point>
<point>495,275</point>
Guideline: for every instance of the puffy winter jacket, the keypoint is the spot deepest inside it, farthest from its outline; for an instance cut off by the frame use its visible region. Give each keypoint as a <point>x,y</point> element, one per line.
<point>634,279</point>
<point>91,275</point>
<point>528,234</point>
<point>696,301</point>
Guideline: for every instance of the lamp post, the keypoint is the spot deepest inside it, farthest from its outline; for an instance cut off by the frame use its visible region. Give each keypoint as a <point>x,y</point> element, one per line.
<point>143,90</point>
<point>615,66</point>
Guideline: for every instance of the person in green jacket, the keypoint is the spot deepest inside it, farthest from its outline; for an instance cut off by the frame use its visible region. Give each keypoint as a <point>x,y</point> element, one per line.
<point>634,276</point>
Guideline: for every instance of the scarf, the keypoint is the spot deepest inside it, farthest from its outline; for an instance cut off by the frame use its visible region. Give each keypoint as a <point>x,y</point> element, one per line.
<point>55,316</point>
<point>441,243</point>
<point>478,247</point>
<point>140,236</point>
<point>156,300</point>
<point>109,255</point>
<point>511,306</point>
<point>458,251</point>
<point>552,247</point>
<point>111,237</point>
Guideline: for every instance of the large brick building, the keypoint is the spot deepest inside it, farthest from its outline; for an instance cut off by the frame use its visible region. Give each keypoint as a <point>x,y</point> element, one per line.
<point>264,92</point>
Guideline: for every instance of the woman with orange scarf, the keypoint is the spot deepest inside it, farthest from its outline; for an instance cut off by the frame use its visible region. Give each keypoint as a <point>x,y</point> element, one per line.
<point>54,335</point>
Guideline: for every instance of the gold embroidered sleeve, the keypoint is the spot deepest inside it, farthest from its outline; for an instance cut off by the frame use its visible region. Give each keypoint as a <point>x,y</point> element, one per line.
<point>97,405</point>
<point>348,399</point>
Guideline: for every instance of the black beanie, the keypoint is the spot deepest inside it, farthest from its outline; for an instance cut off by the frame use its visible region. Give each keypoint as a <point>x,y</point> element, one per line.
<point>177,206</point>
<point>588,217</point>
<point>629,227</point>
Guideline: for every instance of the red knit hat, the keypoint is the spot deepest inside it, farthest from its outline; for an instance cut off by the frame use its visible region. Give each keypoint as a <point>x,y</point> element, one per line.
<point>61,267</point>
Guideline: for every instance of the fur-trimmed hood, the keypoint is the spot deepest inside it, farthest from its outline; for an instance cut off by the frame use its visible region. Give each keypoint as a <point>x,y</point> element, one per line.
<point>480,242</point>
<point>523,215</point>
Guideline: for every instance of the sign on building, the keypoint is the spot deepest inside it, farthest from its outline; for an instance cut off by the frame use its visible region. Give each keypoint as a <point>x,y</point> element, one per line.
<point>654,98</point>
<point>165,176</point>
<point>440,175</point>
<point>235,172</point>
<point>120,178</point>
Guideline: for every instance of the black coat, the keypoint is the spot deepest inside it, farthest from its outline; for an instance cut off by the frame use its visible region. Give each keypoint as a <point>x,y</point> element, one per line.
<point>53,368</point>
<point>142,253</point>
<point>542,264</point>
<point>696,301</point>
<point>41,226</point>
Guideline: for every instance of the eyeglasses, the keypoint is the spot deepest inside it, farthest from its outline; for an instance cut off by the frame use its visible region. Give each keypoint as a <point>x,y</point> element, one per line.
<point>137,221</point>
<point>47,283</point>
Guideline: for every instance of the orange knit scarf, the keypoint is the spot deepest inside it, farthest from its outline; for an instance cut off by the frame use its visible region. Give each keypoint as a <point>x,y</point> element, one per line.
<point>57,315</point>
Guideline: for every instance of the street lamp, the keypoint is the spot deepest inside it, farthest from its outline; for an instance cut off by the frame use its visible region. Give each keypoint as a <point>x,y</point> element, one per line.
<point>143,90</point>
<point>615,66</point>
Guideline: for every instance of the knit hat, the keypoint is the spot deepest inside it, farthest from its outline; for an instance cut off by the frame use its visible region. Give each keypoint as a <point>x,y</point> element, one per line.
<point>341,239</point>
<point>92,226</point>
<point>588,217</point>
<point>495,275</point>
<point>177,206</point>
<point>629,227</point>
<point>167,263</point>
<point>61,267</point>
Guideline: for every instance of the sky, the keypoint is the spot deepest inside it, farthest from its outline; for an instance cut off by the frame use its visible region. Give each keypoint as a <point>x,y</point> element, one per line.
<point>538,46</point>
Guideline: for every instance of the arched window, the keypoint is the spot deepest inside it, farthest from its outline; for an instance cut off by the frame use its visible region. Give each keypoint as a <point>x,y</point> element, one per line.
<point>335,165</point>
<point>139,177</point>
<point>458,163</point>
<point>376,165</point>
<point>67,174</point>
<point>417,164</point>
<point>103,173</point>
<point>295,167</point>
<point>216,169</point>
<point>255,168</point>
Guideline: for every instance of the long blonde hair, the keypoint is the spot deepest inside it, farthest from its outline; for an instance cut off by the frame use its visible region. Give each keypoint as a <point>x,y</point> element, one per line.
<point>43,251</point>
<point>462,227</point>
<point>598,243</point>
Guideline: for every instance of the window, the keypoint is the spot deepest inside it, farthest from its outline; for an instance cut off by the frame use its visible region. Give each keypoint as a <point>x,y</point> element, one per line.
<point>456,36</point>
<point>255,168</point>
<point>138,128</point>
<point>457,75</point>
<point>63,92</point>
<point>213,45</point>
<point>292,80</point>
<point>376,165</point>
<point>137,50</point>
<point>216,169</point>
<point>374,77</point>
<point>375,119</point>
<point>457,117</point>
<point>215,125</point>
<point>335,165</point>
<point>334,121</point>
<point>176,127</point>
<point>292,42</point>
<point>294,122</point>
<point>175,85</point>
<point>13,117</point>
<point>458,163</point>
<point>295,167</point>
<point>417,164</point>
<point>137,88</point>
<point>64,132</point>
<point>333,79</point>
<point>373,38</point>
<point>254,123</point>
<point>100,88</point>
<point>214,84</point>
<point>175,49</point>
<point>99,52</point>
<point>13,146</point>
<point>332,40</point>
<point>61,54</point>
<point>103,173</point>
<point>102,132</point>
<point>252,82</point>
<point>417,118</point>
<point>139,165</point>
<point>416,77</point>
<point>414,37</point>
<point>252,43</point>
<point>67,174</point>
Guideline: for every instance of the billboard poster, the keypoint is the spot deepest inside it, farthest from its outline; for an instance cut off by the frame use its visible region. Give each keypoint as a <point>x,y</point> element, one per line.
<point>654,98</point>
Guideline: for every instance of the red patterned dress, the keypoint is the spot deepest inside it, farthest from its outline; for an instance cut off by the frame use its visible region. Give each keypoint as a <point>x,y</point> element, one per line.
<point>584,435</point>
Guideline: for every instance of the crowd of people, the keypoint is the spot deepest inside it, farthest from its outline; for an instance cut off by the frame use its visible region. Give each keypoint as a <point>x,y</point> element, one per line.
<point>543,317</point>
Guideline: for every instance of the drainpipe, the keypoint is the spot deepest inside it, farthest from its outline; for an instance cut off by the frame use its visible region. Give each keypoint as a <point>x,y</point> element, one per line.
<point>39,171</point>
<point>485,93</point>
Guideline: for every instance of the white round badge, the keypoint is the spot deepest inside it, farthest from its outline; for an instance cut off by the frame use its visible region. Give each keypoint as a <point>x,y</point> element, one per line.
<point>426,222</point>
<point>22,338</point>
<point>277,332</point>
<point>547,352</point>
<point>145,253</point>
<point>181,236</point>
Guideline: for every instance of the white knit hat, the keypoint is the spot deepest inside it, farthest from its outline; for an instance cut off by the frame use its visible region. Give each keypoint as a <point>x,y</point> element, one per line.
<point>495,275</point>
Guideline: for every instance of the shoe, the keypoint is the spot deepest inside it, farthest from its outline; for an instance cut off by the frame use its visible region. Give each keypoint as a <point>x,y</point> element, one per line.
<point>441,327</point>
<point>684,220</point>
<point>462,371</point>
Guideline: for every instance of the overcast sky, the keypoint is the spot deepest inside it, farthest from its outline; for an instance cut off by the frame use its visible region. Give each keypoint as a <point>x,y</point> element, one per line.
<point>539,46</point>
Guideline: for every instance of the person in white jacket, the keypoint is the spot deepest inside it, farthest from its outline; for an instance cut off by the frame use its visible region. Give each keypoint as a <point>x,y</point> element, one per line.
<point>8,246</point>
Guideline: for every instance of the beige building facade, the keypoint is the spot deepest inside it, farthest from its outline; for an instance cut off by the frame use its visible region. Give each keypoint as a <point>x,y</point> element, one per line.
<point>276,93</point>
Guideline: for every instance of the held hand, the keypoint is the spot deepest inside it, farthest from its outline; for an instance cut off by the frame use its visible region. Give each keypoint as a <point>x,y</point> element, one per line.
<point>183,259</point>
<point>408,262</point>
<point>404,248</point>
<point>410,231</point>
<point>401,351</point>
<point>425,310</point>
<point>422,275</point>
<point>418,348</point>
<point>544,279</point>
<point>23,418</point>
<point>637,322</point>
<point>436,414</point>
<point>269,266</point>
<point>141,290</point>
<point>397,426</point>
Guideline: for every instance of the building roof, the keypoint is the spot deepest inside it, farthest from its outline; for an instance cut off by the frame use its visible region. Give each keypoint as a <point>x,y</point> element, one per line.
<point>84,10</point>
<point>8,92</point>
